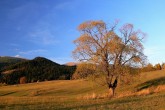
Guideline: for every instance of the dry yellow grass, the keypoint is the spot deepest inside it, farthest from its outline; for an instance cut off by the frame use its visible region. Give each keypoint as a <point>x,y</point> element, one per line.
<point>143,92</point>
<point>159,88</point>
<point>76,94</point>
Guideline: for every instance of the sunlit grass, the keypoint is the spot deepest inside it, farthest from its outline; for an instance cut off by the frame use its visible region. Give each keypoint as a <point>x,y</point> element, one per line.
<point>80,94</point>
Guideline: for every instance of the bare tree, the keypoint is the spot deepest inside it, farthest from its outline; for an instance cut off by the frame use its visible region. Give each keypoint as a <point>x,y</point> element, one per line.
<point>113,51</point>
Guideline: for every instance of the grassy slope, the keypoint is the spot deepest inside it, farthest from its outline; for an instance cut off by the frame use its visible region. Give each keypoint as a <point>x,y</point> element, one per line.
<point>70,95</point>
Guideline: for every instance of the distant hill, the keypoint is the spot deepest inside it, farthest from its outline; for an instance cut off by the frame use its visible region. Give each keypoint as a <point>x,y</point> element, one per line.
<point>6,61</point>
<point>71,64</point>
<point>38,69</point>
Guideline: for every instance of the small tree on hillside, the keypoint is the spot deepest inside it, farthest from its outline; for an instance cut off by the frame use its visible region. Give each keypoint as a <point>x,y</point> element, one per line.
<point>158,66</point>
<point>23,80</point>
<point>101,45</point>
<point>148,67</point>
<point>84,70</point>
<point>163,65</point>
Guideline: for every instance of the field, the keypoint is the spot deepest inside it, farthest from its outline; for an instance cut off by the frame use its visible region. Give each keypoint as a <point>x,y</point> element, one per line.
<point>146,92</point>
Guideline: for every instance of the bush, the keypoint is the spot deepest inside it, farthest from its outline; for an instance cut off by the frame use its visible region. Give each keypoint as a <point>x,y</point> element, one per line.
<point>158,66</point>
<point>84,70</point>
<point>148,68</point>
<point>23,80</point>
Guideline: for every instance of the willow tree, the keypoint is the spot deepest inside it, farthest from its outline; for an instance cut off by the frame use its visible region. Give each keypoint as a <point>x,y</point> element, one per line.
<point>113,50</point>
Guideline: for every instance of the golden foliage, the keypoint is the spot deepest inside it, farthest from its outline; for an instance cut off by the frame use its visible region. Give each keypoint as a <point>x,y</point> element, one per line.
<point>83,70</point>
<point>91,24</point>
<point>111,50</point>
<point>97,41</point>
<point>158,66</point>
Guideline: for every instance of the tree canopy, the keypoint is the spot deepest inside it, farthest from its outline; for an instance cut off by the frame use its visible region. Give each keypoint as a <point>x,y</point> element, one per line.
<point>113,50</point>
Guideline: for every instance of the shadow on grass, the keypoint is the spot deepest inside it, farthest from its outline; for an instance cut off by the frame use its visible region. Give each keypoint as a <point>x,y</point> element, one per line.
<point>150,83</point>
<point>7,93</point>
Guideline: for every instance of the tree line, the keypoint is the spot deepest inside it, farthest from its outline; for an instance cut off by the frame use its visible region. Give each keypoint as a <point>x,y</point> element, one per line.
<point>149,67</point>
<point>38,69</point>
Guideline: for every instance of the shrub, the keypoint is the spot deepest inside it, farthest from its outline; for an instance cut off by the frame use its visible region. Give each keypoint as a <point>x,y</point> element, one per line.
<point>23,80</point>
<point>84,70</point>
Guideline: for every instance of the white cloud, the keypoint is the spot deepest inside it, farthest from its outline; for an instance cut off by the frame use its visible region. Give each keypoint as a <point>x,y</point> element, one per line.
<point>44,37</point>
<point>65,5</point>
<point>16,49</point>
<point>14,44</point>
<point>18,56</point>
<point>31,52</point>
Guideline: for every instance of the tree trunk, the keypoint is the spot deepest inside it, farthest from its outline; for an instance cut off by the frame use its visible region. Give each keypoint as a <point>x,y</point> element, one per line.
<point>112,91</point>
<point>113,86</point>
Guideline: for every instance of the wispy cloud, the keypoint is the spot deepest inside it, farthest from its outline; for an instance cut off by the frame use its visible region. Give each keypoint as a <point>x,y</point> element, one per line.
<point>31,52</point>
<point>14,44</point>
<point>44,37</point>
<point>18,56</point>
<point>65,5</point>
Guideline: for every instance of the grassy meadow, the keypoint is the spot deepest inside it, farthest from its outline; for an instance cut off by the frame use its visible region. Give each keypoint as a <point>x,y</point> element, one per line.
<point>146,92</point>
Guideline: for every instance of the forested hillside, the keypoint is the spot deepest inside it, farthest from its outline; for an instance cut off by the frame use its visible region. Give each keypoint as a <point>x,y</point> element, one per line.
<point>6,61</point>
<point>38,69</point>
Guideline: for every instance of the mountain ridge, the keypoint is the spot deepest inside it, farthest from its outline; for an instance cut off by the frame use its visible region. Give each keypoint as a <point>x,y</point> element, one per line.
<point>8,60</point>
<point>37,69</point>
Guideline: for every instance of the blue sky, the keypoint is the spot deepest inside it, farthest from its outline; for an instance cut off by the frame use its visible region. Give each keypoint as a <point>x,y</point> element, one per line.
<point>30,28</point>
